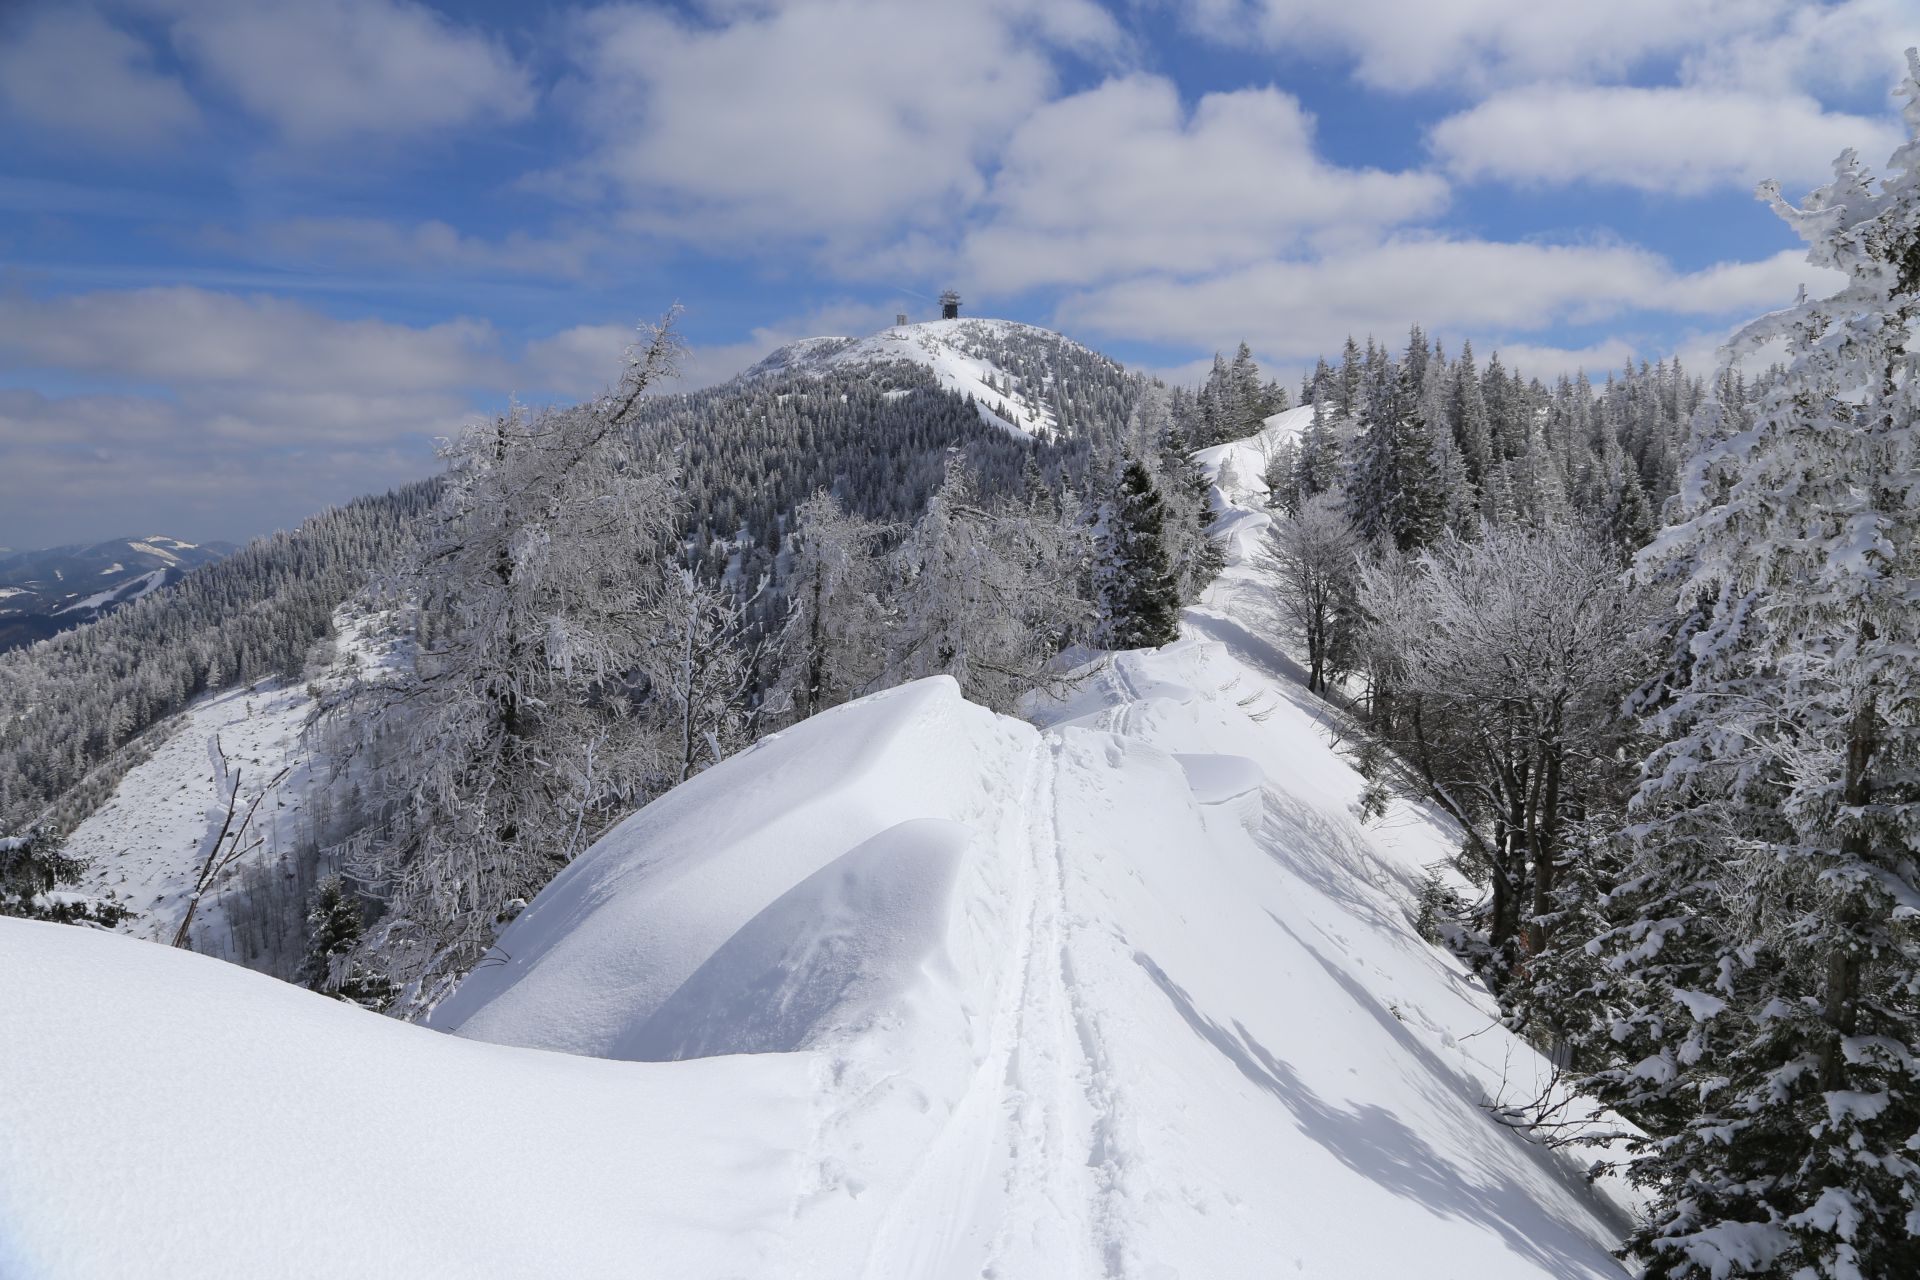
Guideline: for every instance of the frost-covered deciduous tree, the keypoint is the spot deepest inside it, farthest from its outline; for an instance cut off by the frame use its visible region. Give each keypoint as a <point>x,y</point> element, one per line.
<point>1766,963</point>
<point>1509,657</point>
<point>989,596</point>
<point>534,586</point>
<point>1315,557</point>
<point>836,639</point>
<point>705,668</point>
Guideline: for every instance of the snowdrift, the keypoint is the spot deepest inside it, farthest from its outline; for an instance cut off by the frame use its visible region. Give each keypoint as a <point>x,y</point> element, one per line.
<point>908,990</point>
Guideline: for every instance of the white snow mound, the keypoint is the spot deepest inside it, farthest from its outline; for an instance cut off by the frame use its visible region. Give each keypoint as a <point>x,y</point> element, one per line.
<point>584,969</point>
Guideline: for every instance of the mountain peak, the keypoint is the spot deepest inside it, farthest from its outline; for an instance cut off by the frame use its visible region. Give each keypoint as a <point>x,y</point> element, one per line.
<point>1010,369</point>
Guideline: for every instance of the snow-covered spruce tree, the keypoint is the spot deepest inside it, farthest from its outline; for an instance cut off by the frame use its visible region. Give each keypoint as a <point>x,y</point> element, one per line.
<point>1153,436</point>
<point>1139,599</point>
<point>32,869</point>
<point>1318,470</point>
<point>1393,489</point>
<point>511,738</point>
<point>335,924</point>
<point>1282,476</point>
<point>1769,962</point>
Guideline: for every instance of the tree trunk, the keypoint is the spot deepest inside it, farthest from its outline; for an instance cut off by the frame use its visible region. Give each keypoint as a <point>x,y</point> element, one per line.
<point>1545,849</point>
<point>1841,1006</point>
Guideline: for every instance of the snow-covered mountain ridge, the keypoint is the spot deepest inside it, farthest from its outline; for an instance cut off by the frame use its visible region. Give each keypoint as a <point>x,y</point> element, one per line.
<point>45,592</point>
<point>1004,365</point>
<point>909,989</point>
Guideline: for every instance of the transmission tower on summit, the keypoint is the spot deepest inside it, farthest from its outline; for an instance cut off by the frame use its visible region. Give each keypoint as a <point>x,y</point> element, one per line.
<point>949,305</point>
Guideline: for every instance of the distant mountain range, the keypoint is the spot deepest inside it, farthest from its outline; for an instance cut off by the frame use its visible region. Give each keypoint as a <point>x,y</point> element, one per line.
<point>43,593</point>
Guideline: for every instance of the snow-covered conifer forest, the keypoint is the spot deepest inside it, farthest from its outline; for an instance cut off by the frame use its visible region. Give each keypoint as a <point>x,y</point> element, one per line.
<point>942,802</point>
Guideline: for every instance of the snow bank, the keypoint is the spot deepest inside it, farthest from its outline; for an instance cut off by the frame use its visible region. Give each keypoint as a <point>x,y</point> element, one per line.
<point>587,965</point>
<point>171,1115</point>
<point>840,944</point>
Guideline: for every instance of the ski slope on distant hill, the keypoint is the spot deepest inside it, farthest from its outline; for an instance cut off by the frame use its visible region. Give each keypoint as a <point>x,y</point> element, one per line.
<point>907,990</point>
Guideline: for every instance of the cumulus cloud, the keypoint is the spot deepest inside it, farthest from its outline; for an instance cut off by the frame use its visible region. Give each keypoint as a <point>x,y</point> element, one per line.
<point>1671,95</point>
<point>1469,288</point>
<point>323,71</point>
<point>428,245</point>
<point>1418,44</point>
<point>581,361</point>
<point>183,335</point>
<point>73,75</point>
<point>1122,178</point>
<point>1682,141</point>
<point>810,118</point>
<point>211,414</point>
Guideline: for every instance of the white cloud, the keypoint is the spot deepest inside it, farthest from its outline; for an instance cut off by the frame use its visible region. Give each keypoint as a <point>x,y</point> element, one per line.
<point>1681,141</point>
<point>326,70</point>
<point>428,245</point>
<point>1421,44</point>
<point>583,360</point>
<point>1667,95</point>
<point>1458,288</point>
<point>1851,45</point>
<point>185,336</point>
<point>1122,178</point>
<point>149,464</point>
<point>811,118</point>
<point>214,414</point>
<point>1548,362</point>
<point>71,74</point>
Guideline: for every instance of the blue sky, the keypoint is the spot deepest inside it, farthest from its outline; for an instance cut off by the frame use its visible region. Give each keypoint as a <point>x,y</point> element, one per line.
<point>255,256</point>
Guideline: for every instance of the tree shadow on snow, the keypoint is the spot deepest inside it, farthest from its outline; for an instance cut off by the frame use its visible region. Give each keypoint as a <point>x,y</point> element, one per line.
<point>1381,1148</point>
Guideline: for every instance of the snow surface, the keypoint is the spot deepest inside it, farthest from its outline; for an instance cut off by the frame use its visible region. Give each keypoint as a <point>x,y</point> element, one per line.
<point>146,845</point>
<point>122,592</point>
<point>1130,993</point>
<point>958,352</point>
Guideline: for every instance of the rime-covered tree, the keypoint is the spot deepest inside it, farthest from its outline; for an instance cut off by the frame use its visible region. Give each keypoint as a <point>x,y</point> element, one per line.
<point>1393,490</point>
<point>1315,559</point>
<point>534,589</point>
<point>1765,964</point>
<point>1508,660</point>
<point>704,666</point>
<point>1139,599</point>
<point>988,593</point>
<point>836,637</point>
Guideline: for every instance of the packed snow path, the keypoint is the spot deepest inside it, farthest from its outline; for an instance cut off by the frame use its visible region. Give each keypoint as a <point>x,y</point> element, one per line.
<point>908,990</point>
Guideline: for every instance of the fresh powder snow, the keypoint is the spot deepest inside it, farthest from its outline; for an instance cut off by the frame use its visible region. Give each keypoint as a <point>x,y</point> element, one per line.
<point>909,989</point>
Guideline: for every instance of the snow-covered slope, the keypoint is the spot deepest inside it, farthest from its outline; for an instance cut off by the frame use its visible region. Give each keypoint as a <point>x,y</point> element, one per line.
<point>148,843</point>
<point>907,990</point>
<point>968,357</point>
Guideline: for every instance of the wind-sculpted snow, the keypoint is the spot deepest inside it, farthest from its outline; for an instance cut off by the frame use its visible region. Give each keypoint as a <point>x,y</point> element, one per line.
<point>1135,993</point>
<point>584,968</point>
<point>841,943</point>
